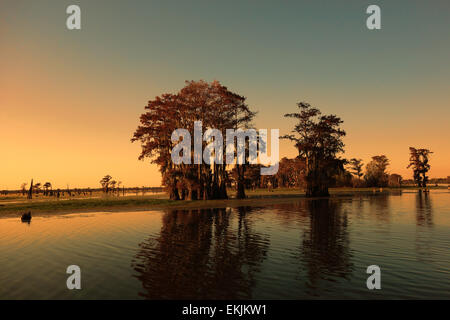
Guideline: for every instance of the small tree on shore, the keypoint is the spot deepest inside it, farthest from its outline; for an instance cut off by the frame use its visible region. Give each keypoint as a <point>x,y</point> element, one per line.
<point>23,187</point>
<point>37,187</point>
<point>395,180</point>
<point>30,191</point>
<point>418,161</point>
<point>291,173</point>
<point>355,168</point>
<point>376,175</point>
<point>113,183</point>
<point>105,182</point>
<point>47,186</point>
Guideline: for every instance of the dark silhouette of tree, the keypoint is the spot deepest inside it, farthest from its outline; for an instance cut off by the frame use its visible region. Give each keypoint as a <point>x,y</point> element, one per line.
<point>216,107</point>
<point>37,187</point>
<point>291,173</point>
<point>47,186</point>
<point>30,191</point>
<point>318,139</point>
<point>395,180</point>
<point>112,184</point>
<point>23,187</point>
<point>355,168</point>
<point>343,178</point>
<point>105,182</point>
<point>252,176</point>
<point>418,161</point>
<point>376,175</point>
<point>119,183</point>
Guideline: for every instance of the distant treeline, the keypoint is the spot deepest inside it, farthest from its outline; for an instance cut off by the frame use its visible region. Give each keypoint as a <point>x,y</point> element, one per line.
<point>83,191</point>
<point>317,137</point>
<point>292,174</point>
<point>433,181</point>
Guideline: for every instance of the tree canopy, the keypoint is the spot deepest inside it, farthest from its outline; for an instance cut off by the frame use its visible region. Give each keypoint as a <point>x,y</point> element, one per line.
<point>376,175</point>
<point>318,139</point>
<point>418,161</point>
<point>217,108</point>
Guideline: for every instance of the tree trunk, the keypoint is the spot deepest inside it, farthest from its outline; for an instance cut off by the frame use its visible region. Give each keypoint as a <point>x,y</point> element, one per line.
<point>173,193</point>
<point>182,193</point>
<point>315,187</point>
<point>240,194</point>
<point>30,192</point>
<point>317,191</point>
<point>215,193</point>
<point>223,191</point>
<point>192,193</point>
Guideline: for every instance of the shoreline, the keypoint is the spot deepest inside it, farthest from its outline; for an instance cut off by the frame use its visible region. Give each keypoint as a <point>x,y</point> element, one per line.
<point>43,209</point>
<point>147,203</point>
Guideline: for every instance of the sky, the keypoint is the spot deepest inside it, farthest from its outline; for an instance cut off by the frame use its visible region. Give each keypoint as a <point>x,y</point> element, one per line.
<point>70,100</point>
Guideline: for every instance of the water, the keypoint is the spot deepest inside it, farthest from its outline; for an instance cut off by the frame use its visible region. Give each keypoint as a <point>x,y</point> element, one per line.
<point>307,249</point>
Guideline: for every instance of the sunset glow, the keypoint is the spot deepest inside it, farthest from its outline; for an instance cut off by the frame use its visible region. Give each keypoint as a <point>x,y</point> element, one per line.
<point>69,101</point>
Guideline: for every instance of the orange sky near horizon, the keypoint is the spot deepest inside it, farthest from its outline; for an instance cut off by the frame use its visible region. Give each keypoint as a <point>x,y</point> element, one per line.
<point>66,142</point>
<point>70,102</point>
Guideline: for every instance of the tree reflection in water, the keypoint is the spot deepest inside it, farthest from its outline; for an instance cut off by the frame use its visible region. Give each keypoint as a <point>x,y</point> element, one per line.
<point>201,254</point>
<point>424,242</point>
<point>325,250</point>
<point>424,213</point>
<point>380,207</point>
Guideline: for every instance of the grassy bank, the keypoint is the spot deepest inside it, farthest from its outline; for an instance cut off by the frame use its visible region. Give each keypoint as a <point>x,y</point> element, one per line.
<point>44,206</point>
<point>51,207</point>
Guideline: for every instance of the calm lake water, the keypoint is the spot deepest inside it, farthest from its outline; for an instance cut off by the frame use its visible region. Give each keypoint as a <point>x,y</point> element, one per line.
<point>307,249</point>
